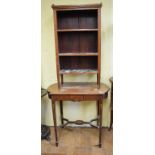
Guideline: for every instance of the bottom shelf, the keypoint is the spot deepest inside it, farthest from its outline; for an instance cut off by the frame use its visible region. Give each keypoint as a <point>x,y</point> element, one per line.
<point>79,84</point>
<point>78,71</point>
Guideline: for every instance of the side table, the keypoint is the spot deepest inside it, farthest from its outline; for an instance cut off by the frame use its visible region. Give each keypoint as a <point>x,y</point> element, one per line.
<point>78,92</point>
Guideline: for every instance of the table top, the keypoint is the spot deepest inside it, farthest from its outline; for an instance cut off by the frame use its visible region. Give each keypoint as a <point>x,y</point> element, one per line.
<point>78,88</point>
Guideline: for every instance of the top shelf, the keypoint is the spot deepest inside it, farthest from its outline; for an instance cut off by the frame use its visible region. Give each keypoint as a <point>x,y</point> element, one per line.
<point>77,7</point>
<point>75,30</point>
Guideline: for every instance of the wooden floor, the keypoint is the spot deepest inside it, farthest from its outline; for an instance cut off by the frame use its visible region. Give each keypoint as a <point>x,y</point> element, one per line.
<point>78,141</point>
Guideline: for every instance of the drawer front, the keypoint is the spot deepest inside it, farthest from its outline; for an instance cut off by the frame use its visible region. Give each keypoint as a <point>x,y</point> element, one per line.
<point>67,97</point>
<point>91,97</point>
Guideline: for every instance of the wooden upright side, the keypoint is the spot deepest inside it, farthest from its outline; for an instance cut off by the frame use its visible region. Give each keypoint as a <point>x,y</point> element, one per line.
<point>56,46</point>
<point>99,47</point>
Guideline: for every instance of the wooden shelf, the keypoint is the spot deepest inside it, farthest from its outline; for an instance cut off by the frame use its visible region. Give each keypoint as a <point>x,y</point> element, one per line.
<point>79,84</point>
<point>78,71</point>
<point>76,30</point>
<point>77,41</point>
<point>78,54</point>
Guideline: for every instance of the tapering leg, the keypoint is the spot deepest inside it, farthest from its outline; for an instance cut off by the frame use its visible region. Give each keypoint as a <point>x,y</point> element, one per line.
<point>55,122</point>
<point>61,112</point>
<point>100,123</point>
<point>97,107</point>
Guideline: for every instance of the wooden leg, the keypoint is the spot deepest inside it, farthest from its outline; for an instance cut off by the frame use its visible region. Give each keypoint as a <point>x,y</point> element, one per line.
<point>100,123</point>
<point>98,80</point>
<point>62,79</point>
<point>97,107</point>
<point>55,122</point>
<point>61,112</point>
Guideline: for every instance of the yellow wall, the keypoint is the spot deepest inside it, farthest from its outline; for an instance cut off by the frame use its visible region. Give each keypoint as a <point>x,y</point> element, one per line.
<point>74,110</point>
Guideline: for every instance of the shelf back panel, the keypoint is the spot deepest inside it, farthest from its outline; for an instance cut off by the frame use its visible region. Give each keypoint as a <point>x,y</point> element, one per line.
<point>77,19</point>
<point>77,42</point>
<point>78,62</point>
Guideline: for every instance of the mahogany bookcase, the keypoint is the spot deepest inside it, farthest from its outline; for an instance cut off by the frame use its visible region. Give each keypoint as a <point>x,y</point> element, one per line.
<point>77,40</point>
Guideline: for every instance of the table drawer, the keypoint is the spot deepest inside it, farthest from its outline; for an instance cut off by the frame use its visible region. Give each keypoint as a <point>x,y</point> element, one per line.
<point>68,97</point>
<point>91,97</point>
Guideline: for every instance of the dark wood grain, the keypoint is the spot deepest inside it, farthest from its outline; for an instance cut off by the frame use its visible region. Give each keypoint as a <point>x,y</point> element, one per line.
<point>79,19</point>
<point>69,42</point>
<point>78,62</point>
<point>77,41</point>
<point>88,41</point>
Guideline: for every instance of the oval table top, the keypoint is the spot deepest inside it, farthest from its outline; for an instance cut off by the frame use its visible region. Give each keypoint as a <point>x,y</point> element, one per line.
<point>78,88</point>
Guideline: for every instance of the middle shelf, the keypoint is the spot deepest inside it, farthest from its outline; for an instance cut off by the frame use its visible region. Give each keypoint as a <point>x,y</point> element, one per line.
<point>78,42</point>
<point>76,30</point>
<point>78,54</point>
